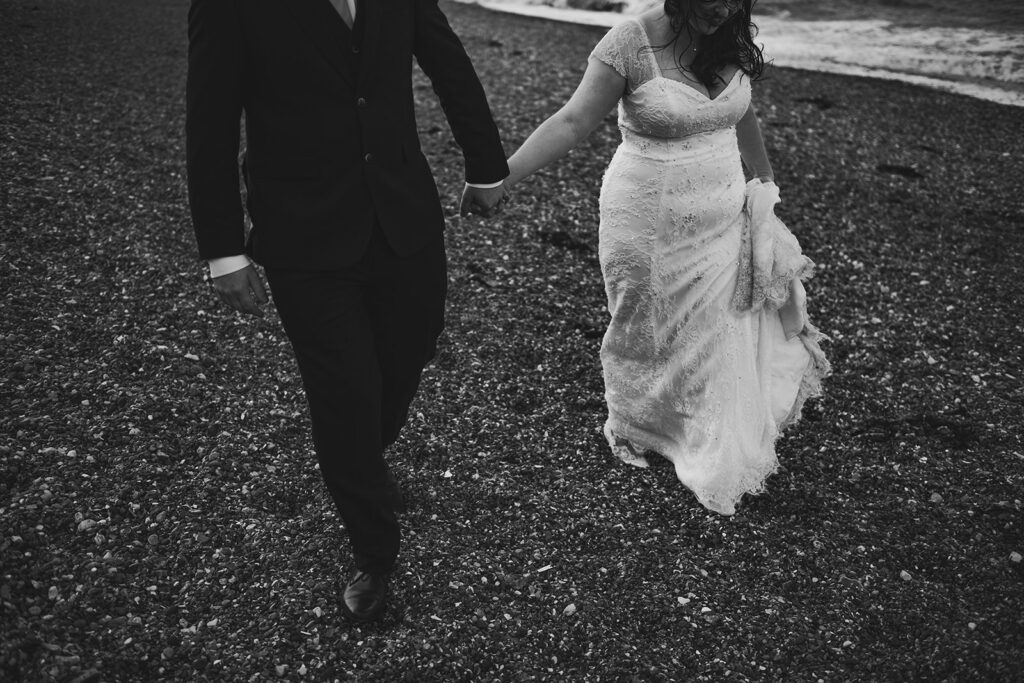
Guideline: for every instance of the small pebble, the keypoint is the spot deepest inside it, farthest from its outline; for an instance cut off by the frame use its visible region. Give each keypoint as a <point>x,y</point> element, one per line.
<point>1015,557</point>
<point>569,610</point>
<point>905,575</point>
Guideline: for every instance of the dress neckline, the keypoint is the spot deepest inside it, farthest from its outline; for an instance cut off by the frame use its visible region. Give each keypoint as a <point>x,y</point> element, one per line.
<point>661,74</point>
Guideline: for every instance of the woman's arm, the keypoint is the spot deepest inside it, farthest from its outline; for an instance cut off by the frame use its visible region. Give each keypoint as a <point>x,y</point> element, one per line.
<point>748,135</point>
<point>598,91</point>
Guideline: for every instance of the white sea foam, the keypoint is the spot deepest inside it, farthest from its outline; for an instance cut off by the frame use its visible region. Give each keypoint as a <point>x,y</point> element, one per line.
<point>981,63</point>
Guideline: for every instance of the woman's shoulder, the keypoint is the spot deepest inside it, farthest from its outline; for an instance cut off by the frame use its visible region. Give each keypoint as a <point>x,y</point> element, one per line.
<point>623,38</point>
<point>630,29</point>
<point>655,25</point>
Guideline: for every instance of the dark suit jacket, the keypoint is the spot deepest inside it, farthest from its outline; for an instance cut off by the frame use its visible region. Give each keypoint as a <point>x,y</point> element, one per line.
<point>332,143</point>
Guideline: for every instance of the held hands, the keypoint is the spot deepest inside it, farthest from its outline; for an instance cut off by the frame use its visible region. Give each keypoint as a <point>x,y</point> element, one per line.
<point>486,202</point>
<point>242,290</point>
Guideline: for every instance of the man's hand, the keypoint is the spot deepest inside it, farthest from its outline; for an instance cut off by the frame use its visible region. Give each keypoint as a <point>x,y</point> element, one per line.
<point>242,290</point>
<point>484,201</point>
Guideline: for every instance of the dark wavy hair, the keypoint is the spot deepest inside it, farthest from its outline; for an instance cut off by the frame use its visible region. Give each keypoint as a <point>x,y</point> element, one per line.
<point>732,44</point>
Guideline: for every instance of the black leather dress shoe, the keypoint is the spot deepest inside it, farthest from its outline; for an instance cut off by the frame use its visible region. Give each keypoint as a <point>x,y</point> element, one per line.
<point>365,596</point>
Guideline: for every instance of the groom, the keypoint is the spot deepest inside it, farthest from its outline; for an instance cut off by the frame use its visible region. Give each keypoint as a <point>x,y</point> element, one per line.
<point>345,213</point>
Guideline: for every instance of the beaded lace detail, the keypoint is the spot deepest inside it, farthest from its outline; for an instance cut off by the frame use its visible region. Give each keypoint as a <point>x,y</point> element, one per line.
<point>693,371</point>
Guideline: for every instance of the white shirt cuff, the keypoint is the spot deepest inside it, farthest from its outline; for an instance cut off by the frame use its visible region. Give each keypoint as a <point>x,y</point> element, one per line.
<point>227,264</point>
<point>486,186</point>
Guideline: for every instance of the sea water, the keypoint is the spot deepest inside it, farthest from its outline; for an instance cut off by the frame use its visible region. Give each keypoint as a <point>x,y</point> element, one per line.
<point>982,63</point>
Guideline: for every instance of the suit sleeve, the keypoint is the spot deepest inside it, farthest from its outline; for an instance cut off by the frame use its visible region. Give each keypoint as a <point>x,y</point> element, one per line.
<point>443,59</point>
<point>213,109</point>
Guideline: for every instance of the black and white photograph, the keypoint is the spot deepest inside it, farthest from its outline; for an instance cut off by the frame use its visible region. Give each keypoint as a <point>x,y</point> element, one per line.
<point>511,340</point>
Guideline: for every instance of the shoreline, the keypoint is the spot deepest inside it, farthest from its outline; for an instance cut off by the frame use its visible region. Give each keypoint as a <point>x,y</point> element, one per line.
<point>798,44</point>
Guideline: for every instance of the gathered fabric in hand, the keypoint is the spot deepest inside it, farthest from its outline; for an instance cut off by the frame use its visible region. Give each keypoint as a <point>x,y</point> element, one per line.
<point>772,264</point>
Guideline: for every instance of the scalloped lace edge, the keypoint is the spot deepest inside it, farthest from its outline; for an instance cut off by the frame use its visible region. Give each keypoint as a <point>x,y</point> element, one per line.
<point>637,454</point>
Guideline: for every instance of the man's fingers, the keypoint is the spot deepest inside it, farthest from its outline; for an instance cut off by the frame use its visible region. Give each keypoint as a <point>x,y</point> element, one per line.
<point>258,291</point>
<point>248,305</point>
<point>470,208</point>
<point>482,210</point>
<point>242,290</point>
<point>244,302</point>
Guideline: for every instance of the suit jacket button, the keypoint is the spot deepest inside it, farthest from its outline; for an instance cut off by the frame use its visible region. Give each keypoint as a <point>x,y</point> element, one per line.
<point>368,158</point>
<point>355,49</point>
<point>361,102</point>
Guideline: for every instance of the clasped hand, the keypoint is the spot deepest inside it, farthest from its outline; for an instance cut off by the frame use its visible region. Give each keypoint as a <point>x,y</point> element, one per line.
<point>486,202</point>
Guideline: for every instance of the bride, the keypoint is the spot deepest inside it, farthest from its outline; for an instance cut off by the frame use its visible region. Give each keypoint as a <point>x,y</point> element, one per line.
<point>709,353</point>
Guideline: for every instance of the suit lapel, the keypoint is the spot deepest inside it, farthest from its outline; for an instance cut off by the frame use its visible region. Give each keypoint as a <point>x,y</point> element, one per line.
<point>373,15</point>
<point>324,27</point>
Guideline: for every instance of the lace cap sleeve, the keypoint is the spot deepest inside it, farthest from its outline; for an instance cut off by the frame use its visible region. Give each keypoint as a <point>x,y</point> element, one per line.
<point>624,48</point>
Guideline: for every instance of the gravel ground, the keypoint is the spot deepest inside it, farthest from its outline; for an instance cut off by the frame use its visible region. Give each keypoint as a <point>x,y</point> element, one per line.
<point>161,516</point>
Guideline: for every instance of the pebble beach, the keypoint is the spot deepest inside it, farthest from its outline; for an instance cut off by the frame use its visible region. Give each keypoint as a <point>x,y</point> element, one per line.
<point>161,515</point>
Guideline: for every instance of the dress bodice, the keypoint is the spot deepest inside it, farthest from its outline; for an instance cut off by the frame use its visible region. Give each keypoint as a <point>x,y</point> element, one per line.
<point>660,107</point>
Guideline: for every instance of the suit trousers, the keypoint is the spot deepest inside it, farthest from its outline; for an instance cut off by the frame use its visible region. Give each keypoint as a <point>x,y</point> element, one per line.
<point>362,335</point>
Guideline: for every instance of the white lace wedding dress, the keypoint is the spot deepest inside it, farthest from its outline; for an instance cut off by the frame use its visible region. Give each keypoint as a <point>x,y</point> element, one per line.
<point>700,278</point>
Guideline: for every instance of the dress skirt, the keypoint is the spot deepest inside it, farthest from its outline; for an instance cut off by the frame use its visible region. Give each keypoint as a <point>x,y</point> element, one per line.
<point>689,376</point>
